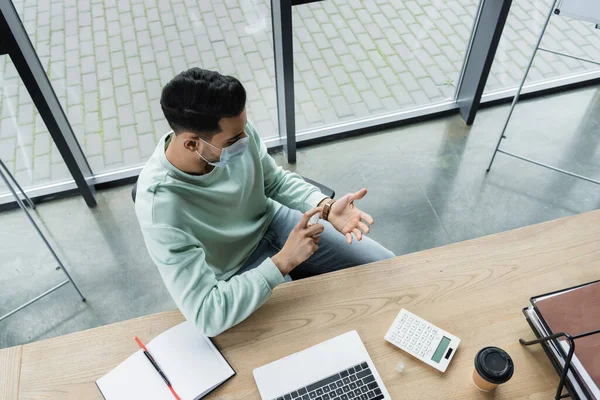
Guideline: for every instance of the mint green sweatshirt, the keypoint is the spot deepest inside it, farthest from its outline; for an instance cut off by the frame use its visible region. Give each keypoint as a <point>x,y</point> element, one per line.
<point>199,230</point>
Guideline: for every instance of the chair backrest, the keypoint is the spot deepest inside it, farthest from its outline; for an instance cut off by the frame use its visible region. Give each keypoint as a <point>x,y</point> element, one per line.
<point>133,191</point>
<point>327,191</point>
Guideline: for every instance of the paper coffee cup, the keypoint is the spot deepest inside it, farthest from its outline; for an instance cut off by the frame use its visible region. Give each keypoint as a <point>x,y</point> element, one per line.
<point>493,366</point>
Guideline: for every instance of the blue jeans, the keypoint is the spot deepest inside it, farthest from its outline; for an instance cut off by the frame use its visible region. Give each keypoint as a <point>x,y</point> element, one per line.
<point>334,252</point>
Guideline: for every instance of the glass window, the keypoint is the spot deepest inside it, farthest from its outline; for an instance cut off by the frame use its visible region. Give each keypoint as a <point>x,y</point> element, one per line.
<point>26,147</point>
<point>355,59</point>
<point>108,60</point>
<point>518,40</point>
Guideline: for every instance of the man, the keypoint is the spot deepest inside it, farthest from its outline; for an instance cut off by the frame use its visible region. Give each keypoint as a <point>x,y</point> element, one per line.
<point>220,218</point>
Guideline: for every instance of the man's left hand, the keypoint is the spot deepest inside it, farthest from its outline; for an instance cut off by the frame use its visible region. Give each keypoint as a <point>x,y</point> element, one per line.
<point>349,219</point>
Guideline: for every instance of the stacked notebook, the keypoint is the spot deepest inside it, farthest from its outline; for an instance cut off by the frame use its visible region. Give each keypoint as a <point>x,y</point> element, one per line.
<point>574,311</point>
<point>188,359</point>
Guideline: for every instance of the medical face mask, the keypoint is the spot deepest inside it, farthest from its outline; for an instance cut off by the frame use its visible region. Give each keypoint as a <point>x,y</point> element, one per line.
<point>228,154</point>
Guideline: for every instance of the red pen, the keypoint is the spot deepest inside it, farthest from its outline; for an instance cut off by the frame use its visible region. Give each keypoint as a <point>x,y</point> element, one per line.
<point>153,362</point>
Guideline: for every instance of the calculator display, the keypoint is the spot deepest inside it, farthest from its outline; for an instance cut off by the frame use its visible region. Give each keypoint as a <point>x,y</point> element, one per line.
<point>439,353</point>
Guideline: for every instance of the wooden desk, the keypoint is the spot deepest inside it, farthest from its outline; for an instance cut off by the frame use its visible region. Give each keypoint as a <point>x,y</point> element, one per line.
<point>474,289</point>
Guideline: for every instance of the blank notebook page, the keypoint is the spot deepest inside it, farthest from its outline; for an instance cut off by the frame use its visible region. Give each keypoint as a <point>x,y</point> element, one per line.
<point>188,358</point>
<point>135,378</point>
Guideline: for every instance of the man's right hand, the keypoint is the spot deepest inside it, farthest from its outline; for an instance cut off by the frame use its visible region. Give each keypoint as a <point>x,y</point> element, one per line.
<point>302,243</point>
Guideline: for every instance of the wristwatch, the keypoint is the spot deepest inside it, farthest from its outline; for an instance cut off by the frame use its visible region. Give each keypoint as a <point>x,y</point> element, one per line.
<point>326,209</point>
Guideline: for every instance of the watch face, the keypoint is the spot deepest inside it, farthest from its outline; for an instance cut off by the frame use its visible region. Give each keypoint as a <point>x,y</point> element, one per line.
<point>326,209</point>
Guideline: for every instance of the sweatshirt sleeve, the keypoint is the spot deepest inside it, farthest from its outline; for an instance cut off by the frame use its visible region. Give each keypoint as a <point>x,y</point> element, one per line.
<point>213,306</point>
<point>286,187</point>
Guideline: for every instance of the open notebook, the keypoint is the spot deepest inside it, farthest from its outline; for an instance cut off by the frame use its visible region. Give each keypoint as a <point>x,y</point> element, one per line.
<point>189,359</point>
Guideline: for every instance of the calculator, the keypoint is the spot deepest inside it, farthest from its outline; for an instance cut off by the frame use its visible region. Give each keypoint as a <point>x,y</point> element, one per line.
<point>422,340</point>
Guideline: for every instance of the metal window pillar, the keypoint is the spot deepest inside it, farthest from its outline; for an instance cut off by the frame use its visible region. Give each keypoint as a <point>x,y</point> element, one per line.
<point>485,38</point>
<point>7,178</point>
<point>537,48</point>
<point>15,42</point>
<point>283,46</point>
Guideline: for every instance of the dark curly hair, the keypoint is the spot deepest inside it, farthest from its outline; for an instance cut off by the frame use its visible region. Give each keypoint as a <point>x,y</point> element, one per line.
<point>196,100</point>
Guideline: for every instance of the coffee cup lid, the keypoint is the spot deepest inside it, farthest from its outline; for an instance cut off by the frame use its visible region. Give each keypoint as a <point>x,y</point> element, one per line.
<point>494,365</point>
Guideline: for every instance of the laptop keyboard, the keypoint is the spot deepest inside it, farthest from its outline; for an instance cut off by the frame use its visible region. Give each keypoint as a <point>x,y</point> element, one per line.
<point>356,383</point>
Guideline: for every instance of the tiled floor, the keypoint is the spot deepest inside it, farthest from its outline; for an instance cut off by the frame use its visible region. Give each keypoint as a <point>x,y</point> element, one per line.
<point>108,60</point>
<point>427,187</point>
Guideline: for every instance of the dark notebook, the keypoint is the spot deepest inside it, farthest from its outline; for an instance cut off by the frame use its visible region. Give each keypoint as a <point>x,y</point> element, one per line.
<point>577,311</point>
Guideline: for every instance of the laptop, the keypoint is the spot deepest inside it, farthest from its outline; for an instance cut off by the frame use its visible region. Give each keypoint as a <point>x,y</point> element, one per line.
<point>338,369</point>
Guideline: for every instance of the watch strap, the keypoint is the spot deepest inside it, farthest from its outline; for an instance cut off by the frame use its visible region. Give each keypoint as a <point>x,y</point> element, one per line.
<point>327,209</point>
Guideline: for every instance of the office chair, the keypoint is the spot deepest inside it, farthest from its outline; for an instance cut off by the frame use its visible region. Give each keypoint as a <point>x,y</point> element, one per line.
<point>324,189</point>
